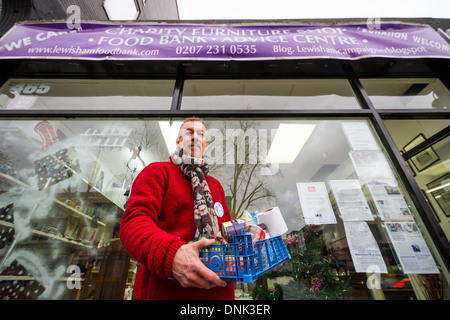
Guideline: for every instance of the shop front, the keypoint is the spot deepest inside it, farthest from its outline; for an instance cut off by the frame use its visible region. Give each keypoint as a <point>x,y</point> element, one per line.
<point>344,128</point>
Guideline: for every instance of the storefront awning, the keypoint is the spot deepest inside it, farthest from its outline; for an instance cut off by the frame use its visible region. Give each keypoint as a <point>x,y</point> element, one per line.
<point>140,41</point>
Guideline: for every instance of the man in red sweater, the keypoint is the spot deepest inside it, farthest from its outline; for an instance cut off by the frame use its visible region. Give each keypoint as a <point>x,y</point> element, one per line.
<point>172,203</point>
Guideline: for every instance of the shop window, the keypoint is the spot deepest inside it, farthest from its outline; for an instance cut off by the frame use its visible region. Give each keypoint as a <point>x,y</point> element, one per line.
<point>268,94</point>
<point>86,94</point>
<point>63,190</point>
<point>407,93</point>
<point>352,230</point>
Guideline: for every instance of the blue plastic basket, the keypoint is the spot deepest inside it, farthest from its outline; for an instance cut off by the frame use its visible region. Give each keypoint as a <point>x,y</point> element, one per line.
<point>243,260</point>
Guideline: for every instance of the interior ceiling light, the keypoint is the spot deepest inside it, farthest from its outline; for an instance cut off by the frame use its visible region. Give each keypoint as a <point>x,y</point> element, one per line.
<point>288,142</point>
<point>121,9</point>
<point>170,133</point>
<point>445,184</point>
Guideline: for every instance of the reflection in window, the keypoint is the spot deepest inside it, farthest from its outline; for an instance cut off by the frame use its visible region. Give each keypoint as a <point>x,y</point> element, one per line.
<point>268,94</point>
<point>74,94</point>
<point>407,93</point>
<point>369,211</point>
<point>429,167</point>
<point>64,186</point>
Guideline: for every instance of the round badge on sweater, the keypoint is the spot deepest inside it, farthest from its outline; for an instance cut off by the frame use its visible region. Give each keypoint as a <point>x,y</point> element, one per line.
<point>219,209</point>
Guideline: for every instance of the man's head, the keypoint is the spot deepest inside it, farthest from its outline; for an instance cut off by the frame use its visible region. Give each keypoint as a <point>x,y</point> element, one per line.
<point>192,137</point>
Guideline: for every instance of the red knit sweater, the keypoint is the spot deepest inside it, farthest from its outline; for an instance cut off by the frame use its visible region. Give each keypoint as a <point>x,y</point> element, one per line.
<point>158,220</point>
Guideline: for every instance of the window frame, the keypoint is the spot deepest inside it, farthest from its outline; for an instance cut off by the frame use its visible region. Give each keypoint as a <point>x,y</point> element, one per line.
<point>375,116</point>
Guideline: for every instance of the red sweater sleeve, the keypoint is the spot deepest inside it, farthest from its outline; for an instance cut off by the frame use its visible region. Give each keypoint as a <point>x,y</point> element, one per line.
<point>139,233</point>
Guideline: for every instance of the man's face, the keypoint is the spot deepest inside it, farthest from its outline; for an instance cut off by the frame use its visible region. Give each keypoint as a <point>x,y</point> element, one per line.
<point>192,138</point>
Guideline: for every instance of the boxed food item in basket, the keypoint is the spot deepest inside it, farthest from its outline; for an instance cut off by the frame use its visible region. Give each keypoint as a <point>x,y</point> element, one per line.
<point>248,250</point>
<point>245,260</point>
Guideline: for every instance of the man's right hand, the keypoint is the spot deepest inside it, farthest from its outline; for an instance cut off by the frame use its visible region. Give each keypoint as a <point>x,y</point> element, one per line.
<point>190,271</point>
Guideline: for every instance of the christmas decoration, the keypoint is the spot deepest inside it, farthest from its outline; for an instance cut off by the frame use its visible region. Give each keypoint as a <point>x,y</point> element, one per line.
<point>315,271</point>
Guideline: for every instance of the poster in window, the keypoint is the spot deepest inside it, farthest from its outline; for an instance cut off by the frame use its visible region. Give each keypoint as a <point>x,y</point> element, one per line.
<point>350,200</point>
<point>22,102</point>
<point>363,247</point>
<point>315,203</point>
<point>359,136</point>
<point>371,164</point>
<point>388,201</point>
<point>410,247</point>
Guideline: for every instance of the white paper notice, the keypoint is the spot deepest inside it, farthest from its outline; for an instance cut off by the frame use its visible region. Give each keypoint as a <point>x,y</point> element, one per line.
<point>364,249</point>
<point>371,165</point>
<point>359,136</point>
<point>350,200</point>
<point>22,102</point>
<point>315,203</point>
<point>388,200</point>
<point>411,249</point>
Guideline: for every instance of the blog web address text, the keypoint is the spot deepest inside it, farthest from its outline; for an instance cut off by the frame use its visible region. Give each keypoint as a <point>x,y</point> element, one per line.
<point>351,51</point>
<point>227,51</point>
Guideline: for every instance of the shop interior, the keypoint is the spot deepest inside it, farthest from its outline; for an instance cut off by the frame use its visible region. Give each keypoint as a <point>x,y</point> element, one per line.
<point>64,183</point>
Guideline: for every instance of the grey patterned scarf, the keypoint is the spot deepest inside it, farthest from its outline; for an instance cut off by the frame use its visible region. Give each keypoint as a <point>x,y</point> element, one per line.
<point>196,170</point>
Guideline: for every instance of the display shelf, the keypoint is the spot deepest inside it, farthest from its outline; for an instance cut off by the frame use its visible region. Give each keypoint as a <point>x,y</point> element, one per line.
<point>62,239</point>
<point>14,180</point>
<point>30,278</point>
<point>48,235</point>
<point>77,217</point>
<point>94,194</point>
<point>72,210</point>
<point>75,211</point>
<point>96,199</point>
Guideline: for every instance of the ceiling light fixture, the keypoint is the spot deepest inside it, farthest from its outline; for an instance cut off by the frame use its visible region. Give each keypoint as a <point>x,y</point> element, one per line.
<point>447,184</point>
<point>288,142</point>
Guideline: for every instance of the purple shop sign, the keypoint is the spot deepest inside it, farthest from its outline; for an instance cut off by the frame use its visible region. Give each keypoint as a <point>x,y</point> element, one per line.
<point>100,41</point>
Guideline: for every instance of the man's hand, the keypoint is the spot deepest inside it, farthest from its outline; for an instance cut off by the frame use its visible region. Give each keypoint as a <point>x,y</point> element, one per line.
<point>190,271</point>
